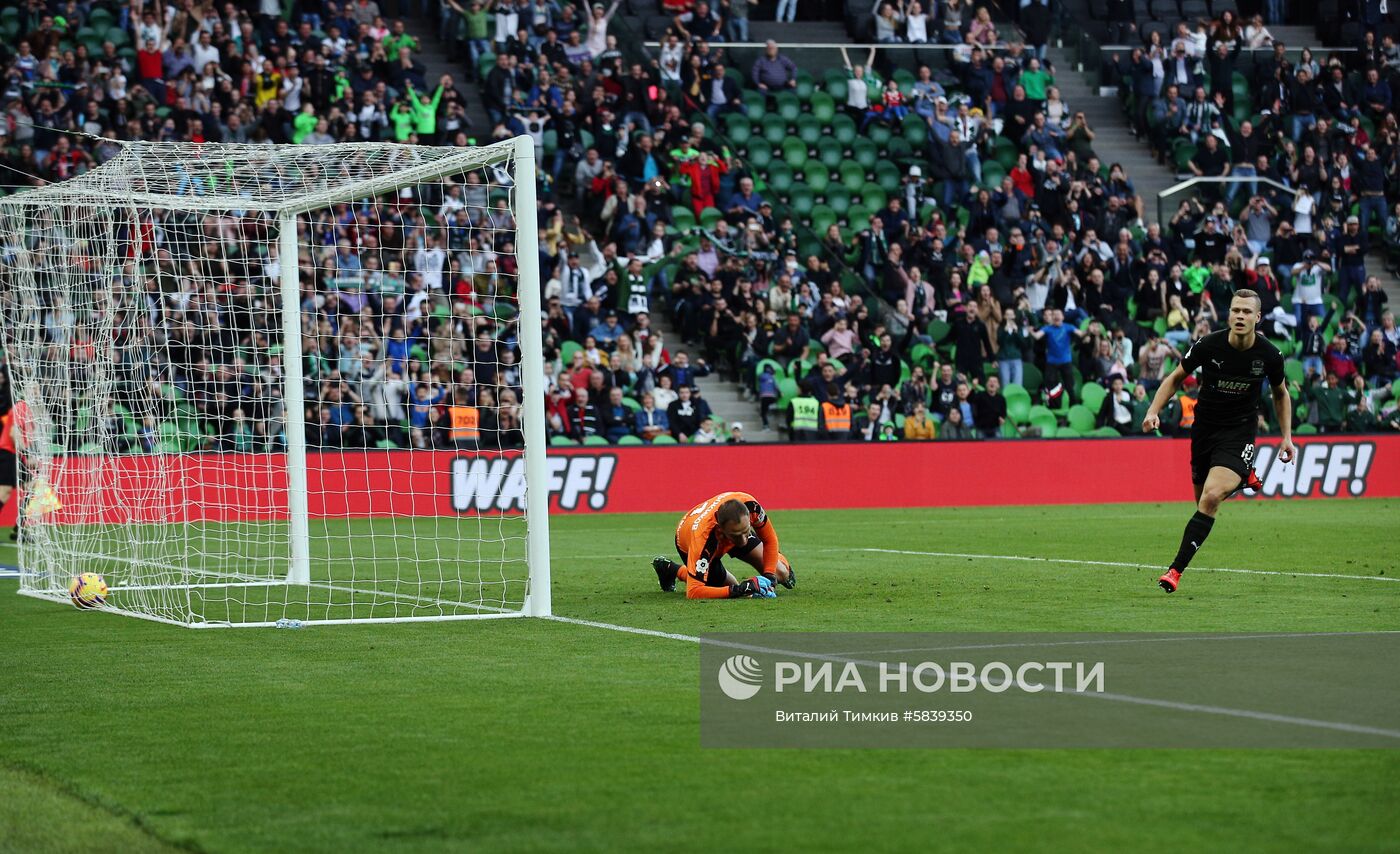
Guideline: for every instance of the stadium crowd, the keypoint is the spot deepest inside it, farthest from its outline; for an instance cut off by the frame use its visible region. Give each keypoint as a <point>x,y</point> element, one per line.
<point>936,252</point>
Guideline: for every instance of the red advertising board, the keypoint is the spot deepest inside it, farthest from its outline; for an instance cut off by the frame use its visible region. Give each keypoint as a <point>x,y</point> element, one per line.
<point>224,487</point>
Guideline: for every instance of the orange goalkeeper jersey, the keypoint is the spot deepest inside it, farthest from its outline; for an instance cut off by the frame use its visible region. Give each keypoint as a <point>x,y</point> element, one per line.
<point>698,535</point>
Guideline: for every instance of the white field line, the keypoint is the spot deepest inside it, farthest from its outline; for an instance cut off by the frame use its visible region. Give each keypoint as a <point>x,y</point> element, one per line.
<point>1337,726</point>
<point>1127,565</point>
<point>1146,638</point>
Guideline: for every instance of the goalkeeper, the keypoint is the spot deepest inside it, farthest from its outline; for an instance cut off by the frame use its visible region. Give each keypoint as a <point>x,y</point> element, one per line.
<point>731,523</point>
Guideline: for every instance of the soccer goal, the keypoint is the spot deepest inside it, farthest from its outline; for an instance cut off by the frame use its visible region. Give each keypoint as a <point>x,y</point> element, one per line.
<point>245,374</point>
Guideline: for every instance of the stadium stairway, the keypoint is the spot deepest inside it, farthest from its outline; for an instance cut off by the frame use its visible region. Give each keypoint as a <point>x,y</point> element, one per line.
<point>798,33</point>
<point>1113,140</point>
<point>722,395</point>
<point>437,62</point>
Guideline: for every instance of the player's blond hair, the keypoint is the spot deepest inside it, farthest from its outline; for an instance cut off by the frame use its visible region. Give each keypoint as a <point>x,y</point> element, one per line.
<point>1254,295</point>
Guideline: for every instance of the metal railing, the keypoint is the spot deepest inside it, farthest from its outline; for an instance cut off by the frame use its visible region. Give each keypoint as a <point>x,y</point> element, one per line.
<point>1189,183</point>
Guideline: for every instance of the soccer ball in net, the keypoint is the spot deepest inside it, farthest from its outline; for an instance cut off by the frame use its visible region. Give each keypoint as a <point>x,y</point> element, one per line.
<point>88,590</point>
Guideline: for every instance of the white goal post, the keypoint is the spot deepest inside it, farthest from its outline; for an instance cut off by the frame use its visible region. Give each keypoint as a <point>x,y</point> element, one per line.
<point>242,373</point>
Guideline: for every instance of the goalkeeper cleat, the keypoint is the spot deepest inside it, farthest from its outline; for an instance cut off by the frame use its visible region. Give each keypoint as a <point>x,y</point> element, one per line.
<point>791,580</point>
<point>666,570</point>
<point>1170,581</point>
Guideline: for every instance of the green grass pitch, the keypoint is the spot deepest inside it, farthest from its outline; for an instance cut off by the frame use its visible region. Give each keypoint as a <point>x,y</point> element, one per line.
<point>123,735</point>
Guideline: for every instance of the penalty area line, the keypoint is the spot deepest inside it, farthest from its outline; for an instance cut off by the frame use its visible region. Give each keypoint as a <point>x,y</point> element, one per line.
<point>1126,565</point>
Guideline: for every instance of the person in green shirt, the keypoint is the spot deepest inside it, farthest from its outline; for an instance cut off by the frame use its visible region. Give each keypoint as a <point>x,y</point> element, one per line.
<point>476,29</point>
<point>1330,401</point>
<point>425,111</point>
<point>397,39</point>
<point>1035,80</point>
<point>304,123</point>
<point>401,117</point>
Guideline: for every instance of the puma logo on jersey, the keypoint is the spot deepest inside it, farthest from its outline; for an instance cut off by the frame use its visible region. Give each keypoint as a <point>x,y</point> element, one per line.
<point>1219,363</point>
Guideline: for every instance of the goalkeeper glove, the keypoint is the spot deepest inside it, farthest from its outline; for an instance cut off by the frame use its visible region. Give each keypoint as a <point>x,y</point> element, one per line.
<point>758,587</point>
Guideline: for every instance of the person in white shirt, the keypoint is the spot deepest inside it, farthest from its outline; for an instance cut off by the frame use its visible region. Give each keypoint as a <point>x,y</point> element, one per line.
<point>857,89</point>
<point>575,284</point>
<point>429,262</point>
<point>916,24</point>
<point>1308,277</point>
<point>204,51</point>
<point>1303,206</point>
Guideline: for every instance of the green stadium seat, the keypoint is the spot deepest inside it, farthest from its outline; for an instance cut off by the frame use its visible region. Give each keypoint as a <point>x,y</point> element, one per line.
<point>1004,151</point>
<point>755,104</point>
<point>898,151</point>
<point>879,133</point>
<point>1018,407</point>
<point>774,131</point>
<point>843,128</point>
<point>562,440</point>
<point>1294,371</point>
<point>1045,420</point>
<point>780,178</point>
<point>1092,395</point>
<point>710,217</point>
<point>809,129</point>
<point>1009,431</point>
<point>630,440</point>
<point>595,440</point>
<point>823,107</point>
<point>815,174</point>
<point>905,79</point>
<point>737,128</point>
<point>1081,419</point>
<point>839,198</point>
<point>1031,377</point>
<point>118,36</point>
<point>801,200</point>
<point>664,439</point>
<point>806,86</point>
<point>914,129</point>
<point>888,176</point>
<point>834,82</point>
<point>1104,433</point>
<point>683,218</point>
<point>852,176</point>
<point>789,107</point>
<point>759,153</point>
<point>829,153</point>
<point>1067,433</point>
<point>1305,430</point>
<point>866,154</point>
<point>873,196</point>
<point>794,153</point>
<point>823,216</point>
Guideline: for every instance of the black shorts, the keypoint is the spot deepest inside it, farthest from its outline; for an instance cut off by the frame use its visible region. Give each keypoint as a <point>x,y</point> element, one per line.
<point>1228,447</point>
<point>716,576</point>
<point>9,469</point>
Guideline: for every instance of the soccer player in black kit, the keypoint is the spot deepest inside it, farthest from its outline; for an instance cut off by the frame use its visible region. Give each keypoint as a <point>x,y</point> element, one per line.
<point>1234,363</point>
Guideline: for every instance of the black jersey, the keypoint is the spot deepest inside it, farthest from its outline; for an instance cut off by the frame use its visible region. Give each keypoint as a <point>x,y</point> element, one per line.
<point>1232,380</point>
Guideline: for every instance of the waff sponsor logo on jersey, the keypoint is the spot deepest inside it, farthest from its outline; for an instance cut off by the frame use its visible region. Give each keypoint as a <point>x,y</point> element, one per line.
<point>1320,468</point>
<point>497,484</point>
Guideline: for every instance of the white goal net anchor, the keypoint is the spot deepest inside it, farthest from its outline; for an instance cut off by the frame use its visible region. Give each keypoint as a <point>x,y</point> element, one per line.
<point>243,371</point>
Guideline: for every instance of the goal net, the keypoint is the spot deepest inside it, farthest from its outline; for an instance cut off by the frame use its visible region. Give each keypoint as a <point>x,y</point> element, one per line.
<point>243,375</point>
